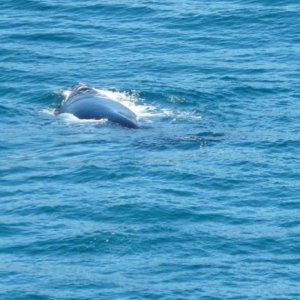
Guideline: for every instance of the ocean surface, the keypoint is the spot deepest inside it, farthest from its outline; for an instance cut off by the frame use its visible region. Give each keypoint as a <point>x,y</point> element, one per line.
<point>202,201</point>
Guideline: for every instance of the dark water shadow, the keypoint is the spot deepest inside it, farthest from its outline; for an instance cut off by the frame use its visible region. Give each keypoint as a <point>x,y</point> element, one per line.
<point>192,141</point>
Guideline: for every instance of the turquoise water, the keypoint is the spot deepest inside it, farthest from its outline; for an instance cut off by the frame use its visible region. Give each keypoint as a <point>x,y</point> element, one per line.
<point>201,202</point>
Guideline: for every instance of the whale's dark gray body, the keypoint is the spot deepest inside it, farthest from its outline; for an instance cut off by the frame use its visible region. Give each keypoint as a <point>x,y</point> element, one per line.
<point>85,103</point>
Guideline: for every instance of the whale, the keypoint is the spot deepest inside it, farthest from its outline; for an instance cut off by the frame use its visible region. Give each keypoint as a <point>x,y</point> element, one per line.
<point>85,102</point>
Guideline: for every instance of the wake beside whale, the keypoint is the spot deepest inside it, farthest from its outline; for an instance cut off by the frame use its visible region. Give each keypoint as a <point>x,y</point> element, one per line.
<point>85,103</point>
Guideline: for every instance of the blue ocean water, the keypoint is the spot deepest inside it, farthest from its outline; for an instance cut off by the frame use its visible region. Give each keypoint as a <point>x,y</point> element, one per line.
<point>201,202</point>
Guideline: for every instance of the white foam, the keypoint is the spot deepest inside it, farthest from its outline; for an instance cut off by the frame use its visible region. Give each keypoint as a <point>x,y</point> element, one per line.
<point>49,111</point>
<point>66,94</point>
<point>130,100</point>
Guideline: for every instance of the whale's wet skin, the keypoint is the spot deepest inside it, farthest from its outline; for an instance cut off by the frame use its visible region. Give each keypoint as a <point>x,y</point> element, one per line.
<point>85,103</point>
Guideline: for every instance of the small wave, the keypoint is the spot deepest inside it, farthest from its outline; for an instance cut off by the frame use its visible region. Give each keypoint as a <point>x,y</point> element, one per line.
<point>49,111</point>
<point>73,119</point>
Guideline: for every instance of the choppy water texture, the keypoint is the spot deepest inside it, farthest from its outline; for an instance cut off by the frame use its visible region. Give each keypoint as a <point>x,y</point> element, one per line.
<point>202,202</point>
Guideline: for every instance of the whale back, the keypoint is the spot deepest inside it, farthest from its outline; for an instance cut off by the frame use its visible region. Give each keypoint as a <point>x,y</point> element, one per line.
<point>85,103</point>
